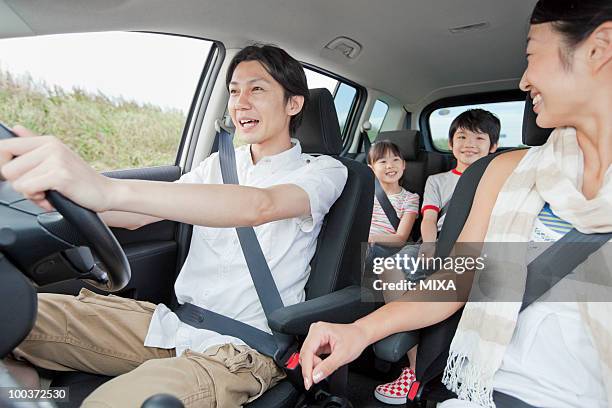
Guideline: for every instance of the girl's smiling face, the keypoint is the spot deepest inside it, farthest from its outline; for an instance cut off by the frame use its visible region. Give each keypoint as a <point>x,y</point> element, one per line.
<point>389,169</point>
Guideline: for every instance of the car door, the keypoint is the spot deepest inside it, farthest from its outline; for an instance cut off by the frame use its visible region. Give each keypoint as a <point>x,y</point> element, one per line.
<point>121,101</point>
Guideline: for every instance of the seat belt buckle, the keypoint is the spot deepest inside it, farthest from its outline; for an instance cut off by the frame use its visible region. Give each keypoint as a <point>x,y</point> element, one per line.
<point>293,361</point>
<point>414,390</point>
<point>290,363</point>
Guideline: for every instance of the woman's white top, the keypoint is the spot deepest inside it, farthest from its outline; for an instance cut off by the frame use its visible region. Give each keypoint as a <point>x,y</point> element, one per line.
<point>551,360</point>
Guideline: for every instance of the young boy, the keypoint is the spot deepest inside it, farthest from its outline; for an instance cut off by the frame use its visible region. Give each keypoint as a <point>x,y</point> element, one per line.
<point>472,135</point>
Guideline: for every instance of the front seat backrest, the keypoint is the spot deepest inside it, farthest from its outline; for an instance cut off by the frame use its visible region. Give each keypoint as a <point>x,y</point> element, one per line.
<point>336,262</point>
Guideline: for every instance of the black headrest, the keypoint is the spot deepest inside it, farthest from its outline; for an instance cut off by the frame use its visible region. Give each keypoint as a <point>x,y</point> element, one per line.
<point>320,132</point>
<point>533,135</point>
<point>407,140</point>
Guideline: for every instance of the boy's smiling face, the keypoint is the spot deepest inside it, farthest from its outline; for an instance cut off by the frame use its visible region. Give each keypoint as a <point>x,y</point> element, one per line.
<point>469,146</point>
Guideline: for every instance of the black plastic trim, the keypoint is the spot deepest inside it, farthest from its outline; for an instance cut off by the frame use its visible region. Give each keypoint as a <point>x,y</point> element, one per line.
<point>356,111</point>
<point>211,70</point>
<point>19,306</point>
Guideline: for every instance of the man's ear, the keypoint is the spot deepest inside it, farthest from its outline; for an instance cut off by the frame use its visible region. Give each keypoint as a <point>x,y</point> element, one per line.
<point>600,46</point>
<point>295,105</point>
<point>493,148</point>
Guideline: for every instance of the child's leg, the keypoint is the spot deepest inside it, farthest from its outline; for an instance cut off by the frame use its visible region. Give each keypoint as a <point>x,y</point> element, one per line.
<point>412,353</point>
<point>396,392</point>
<point>392,276</point>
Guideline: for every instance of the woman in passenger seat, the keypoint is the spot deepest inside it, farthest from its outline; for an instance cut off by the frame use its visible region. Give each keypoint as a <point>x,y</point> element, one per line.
<point>387,163</point>
<point>553,354</point>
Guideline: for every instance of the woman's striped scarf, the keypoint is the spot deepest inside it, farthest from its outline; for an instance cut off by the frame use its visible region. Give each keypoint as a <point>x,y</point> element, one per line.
<point>552,174</point>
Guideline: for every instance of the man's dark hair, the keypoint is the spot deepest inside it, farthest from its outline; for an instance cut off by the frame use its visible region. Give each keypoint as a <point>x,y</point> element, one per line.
<point>478,121</point>
<point>285,70</point>
<point>575,20</point>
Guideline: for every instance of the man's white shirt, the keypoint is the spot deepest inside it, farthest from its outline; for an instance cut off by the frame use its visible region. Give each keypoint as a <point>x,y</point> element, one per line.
<point>215,275</point>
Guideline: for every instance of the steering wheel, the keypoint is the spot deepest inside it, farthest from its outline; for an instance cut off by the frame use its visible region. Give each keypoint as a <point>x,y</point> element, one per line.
<point>45,237</point>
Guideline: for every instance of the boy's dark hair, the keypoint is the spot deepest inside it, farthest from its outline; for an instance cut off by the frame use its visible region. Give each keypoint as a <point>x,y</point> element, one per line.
<point>479,121</point>
<point>575,20</point>
<point>285,70</point>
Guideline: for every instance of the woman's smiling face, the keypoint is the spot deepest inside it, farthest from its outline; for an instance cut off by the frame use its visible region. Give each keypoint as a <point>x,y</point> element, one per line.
<point>557,77</point>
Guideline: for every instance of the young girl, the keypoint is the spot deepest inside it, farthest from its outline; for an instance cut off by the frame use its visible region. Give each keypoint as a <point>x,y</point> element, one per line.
<point>385,159</point>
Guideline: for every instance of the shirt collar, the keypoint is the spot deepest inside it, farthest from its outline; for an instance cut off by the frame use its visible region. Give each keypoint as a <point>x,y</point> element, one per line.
<point>281,159</point>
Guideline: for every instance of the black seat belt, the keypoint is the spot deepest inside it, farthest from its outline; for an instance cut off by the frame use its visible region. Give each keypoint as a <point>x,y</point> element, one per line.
<point>386,205</point>
<point>281,347</point>
<point>559,260</point>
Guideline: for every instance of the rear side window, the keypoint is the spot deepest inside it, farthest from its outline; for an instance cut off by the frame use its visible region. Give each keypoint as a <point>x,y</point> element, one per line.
<point>119,99</point>
<point>510,115</point>
<point>345,95</point>
<point>377,117</point>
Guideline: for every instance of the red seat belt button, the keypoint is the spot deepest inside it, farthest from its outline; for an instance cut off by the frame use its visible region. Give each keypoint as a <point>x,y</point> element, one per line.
<point>414,389</point>
<point>293,361</point>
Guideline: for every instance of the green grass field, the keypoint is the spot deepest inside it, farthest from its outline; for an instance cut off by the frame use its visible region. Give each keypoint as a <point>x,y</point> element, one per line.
<point>108,133</point>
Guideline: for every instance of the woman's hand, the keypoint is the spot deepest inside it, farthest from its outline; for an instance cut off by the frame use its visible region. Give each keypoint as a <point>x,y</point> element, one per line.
<point>343,342</point>
<point>34,164</point>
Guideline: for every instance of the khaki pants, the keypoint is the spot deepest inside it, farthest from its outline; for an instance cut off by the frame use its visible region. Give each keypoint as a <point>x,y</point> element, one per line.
<point>105,335</point>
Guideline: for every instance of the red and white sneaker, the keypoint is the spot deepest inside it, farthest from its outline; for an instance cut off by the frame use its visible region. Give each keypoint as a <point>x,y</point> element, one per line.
<point>396,392</point>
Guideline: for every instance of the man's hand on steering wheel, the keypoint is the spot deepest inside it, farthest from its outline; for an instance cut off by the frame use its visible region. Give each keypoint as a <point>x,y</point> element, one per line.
<point>34,164</point>
<point>47,172</point>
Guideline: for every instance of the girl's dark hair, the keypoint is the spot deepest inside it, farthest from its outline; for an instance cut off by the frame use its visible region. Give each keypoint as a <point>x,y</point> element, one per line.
<point>285,70</point>
<point>575,20</point>
<point>381,149</point>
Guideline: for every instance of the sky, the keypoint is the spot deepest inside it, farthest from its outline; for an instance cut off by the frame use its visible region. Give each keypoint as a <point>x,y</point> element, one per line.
<point>162,70</point>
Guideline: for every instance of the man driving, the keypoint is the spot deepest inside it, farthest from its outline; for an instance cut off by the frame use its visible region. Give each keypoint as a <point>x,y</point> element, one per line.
<point>283,193</point>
